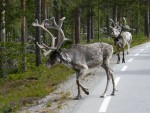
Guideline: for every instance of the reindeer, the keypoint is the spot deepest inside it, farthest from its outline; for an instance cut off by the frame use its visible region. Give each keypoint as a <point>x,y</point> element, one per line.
<point>122,38</point>
<point>79,57</point>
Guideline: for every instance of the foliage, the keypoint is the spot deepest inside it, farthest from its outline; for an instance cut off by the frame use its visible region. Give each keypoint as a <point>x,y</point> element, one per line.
<point>22,89</point>
<point>10,56</point>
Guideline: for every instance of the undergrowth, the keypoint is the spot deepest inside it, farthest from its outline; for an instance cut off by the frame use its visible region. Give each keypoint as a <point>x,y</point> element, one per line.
<point>23,89</point>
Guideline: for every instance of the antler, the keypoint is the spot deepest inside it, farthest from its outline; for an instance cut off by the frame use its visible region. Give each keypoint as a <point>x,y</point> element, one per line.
<point>58,27</point>
<point>42,46</point>
<point>111,27</point>
<point>36,24</point>
<point>46,24</point>
<point>111,20</point>
<point>124,21</point>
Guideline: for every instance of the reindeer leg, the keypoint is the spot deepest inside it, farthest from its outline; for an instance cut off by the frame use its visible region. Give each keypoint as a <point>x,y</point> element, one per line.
<point>123,59</point>
<point>84,89</point>
<point>118,61</point>
<point>128,48</point>
<point>118,54</point>
<point>79,94</point>
<point>104,94</point>
<point>113,82</point>
<point>105,66</point>
<point>82,71</point>
<point>78,86</point>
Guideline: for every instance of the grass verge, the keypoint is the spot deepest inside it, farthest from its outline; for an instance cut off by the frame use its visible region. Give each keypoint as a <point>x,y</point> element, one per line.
<point>24,88</point>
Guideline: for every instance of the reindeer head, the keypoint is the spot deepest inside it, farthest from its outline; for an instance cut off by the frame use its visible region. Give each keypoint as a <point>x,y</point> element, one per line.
<point>114,32</point>
<point>54,50</point>
<point>58,56</point>
<point>54,58</point>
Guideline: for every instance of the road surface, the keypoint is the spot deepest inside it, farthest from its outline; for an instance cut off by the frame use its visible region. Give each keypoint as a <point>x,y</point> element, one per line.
<point>133,84</point>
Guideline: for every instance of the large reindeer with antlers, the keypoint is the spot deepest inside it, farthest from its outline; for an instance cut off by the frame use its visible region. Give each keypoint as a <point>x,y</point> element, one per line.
<point>122,38</point>
<point>79,57</point>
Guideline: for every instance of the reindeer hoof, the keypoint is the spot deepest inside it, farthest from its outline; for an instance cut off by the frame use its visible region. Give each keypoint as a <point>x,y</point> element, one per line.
<point>77,97</point>
<point>118,62</point>
<point>123,60</point>
<point>113,94</point>
<point>85,91</point>
<point>103,96</point>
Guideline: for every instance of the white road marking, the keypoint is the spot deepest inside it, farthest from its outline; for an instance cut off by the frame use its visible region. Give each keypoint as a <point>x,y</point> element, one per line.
<point>104,105</point>
<point>142,50</point>
<point>147,46</point>
<point>117,80</point>
<point>130,60</point>
<point>124,68</point>
<point>106,101</point>
<point>136,54</point>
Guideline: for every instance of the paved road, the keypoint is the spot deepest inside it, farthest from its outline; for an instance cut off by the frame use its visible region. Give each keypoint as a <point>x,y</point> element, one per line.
<point>133,82</point>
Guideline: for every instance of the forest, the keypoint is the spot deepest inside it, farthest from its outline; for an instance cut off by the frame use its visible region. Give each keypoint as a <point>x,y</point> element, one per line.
<point>87,21</point>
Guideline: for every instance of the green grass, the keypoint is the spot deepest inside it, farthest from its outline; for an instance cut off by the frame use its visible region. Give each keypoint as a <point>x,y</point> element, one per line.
<point>24,88</point>
<point>138,41</point>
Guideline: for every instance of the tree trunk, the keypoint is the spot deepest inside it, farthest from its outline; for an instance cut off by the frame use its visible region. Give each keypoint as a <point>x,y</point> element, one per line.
<point>3,40</point>
<point>38,32</point>
<point>98,19</point>
<point>119,16</point>
<point>92,24</point>
<point>44,10</point>
<point>138,19</point>
<point>107,19</point>
<point>73,29</point>
<point>23,35</point>
<point>108,24</point>
<point>115,8</point>
<point>77,25</point>
<point>2,30</point>
<point>58,16</point>
<point>146,19</point>
<point>89,22</point>
<point>44,7</point>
